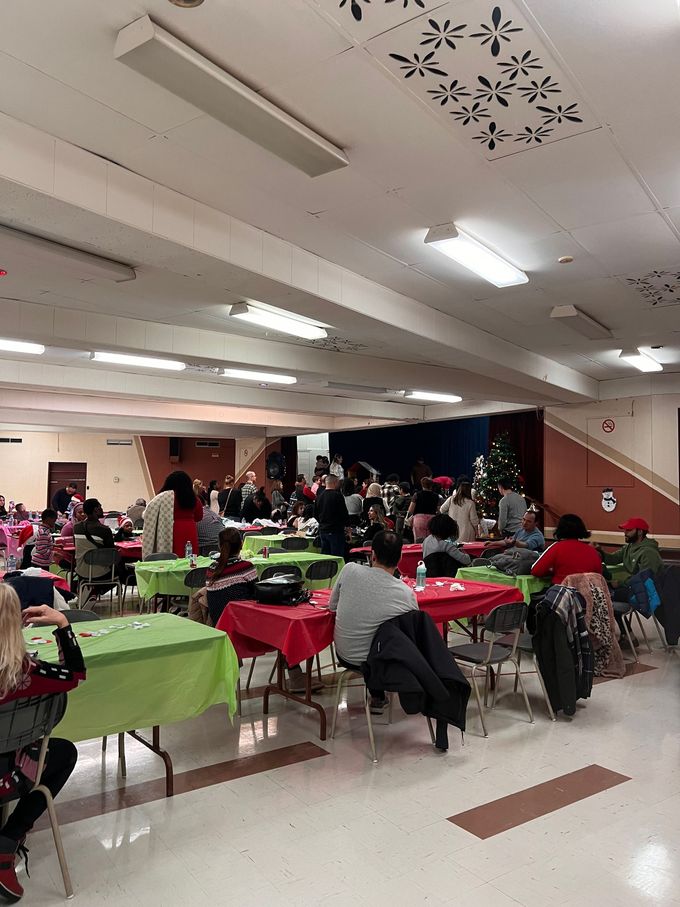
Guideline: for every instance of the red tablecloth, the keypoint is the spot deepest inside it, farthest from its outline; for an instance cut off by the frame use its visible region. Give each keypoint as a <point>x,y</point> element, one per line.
<point>298,632</point>
<point>129,550</point>
<point>59,581</point>
<point>305,630</point>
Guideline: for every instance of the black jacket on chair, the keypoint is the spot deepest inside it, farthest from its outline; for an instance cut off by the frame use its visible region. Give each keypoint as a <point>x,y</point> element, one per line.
<point>408,656</point>
<point>668,612</point>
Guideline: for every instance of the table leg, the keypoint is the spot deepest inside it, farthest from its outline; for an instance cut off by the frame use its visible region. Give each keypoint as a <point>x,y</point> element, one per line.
<point>155,746</point>
<point>279,689</point>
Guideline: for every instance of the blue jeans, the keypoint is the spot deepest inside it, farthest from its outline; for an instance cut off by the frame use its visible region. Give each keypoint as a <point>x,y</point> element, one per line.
<point>333,543</point>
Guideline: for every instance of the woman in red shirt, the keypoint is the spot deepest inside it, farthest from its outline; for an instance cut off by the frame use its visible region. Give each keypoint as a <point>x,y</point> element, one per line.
<point>187,512</point>
<point>569,554</point>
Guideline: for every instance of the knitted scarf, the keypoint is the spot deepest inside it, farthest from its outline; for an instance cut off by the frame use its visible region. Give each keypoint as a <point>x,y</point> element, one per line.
<point>158,524</point>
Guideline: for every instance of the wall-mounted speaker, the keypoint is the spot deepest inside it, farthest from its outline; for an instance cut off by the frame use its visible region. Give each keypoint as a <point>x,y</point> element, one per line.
<point>175,449</point>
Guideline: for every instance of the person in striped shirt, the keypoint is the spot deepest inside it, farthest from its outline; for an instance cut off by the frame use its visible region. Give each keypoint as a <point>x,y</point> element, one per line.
<point>42,549</point>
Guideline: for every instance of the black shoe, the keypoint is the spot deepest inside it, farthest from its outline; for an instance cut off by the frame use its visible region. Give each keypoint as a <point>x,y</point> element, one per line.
<point>377,706</point>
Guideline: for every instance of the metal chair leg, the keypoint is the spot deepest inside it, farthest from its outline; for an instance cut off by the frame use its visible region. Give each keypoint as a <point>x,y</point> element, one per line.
<point>643,631</point>
<point>273,670</point>
<point>318,666</point>
<point>371,737</point>
<point>238,697</point>
<point>429,724</point>
<point>121,756</point>
<point>624,622</point>
<point>479,701</point>
<point>333,661</point>
<point>524,692</point>
<point>545,692</point>
<point>487,677</point>
<point>338,696</point>
<point>250,673</point>
<point>496,685</point>
<point>104,739</point>
<point>661,632</point>
<point>56,834</point>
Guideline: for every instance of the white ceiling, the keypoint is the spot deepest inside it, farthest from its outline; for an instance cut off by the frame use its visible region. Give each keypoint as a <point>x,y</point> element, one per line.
<point>605,190</point>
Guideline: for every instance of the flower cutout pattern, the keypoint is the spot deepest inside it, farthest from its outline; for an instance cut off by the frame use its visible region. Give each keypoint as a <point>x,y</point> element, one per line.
<point>543,89</point>
<point>496,32</point>
<point>533,136</point>
<point>491,136</point>
<point>442,34</point>
<point>405,3</point>
<point>559,114</point>
<point>472,114</point>
<point>519,66</point>
<point>497,91</point>
<point>355,8</point>
<point>412,66</point>
<point>658,287</point>
<point>445,93</point>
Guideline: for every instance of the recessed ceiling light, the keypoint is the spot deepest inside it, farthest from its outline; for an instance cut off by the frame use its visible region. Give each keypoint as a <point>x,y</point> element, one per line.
<point>139,361</point>
<point>640,360</point>
<point>268,377</point>
<point>565,259</point>
<point>435,398</point>
<point>474,255</point>
<point>277,321</point>
<point>20,346</point>
<point>186,4</point>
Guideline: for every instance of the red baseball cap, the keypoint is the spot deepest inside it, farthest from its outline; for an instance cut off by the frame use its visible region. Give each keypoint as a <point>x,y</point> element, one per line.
<point>635,522</point>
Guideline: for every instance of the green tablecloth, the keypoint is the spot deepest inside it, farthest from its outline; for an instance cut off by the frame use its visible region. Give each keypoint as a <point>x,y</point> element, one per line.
<point>526,584</point>
<point>254,543</point>
<point>167,577</point>
<point>172,670</point>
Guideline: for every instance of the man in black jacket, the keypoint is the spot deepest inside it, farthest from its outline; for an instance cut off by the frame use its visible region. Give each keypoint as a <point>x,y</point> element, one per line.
<point>331,512</point>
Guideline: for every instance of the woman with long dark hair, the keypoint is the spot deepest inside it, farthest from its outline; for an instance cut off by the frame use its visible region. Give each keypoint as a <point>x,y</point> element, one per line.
<point>170,518</point>
<point>231,578</point>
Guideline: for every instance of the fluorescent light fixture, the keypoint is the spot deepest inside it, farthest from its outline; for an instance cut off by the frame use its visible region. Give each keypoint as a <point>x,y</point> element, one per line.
<point>139,361</point>
<point>268,377</point>
<point>277,321</point>
<point>640,360</point>
<point>19,346</point>
<point>578,321</point>
<point>433,397</point>
<point>155,53</point>
<point>50,254</point>
<point>473,255</point>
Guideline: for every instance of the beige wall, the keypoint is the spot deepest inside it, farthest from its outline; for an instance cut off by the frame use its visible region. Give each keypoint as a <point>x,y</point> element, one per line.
<point>115,475</point>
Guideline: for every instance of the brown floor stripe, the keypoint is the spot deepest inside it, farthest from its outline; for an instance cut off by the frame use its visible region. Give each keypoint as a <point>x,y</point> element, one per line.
<point>509,812</point>
<point>632,667</point>
<point>135,794</point>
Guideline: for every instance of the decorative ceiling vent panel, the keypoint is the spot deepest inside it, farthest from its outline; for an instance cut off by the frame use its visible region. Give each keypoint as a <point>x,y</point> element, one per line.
<point>657,288</point>
<point>364,19</point>
<point>337,345</point>
<point>483,69</point>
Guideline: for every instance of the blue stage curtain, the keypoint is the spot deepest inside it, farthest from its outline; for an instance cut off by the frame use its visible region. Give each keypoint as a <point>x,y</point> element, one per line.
<point>449,448</point>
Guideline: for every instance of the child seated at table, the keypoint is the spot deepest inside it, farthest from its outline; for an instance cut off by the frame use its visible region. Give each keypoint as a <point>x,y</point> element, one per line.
<point>22,676</point>
<point>124,531</point>
<point>231,578</point>
<point>43,545</point>
<point>441,554</point>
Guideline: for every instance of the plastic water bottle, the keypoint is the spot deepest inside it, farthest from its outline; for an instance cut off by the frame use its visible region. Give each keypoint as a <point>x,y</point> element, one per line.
<point>421,575</point>
<point>188,550</point>
<point>10,521</point>
<point>11,563</point>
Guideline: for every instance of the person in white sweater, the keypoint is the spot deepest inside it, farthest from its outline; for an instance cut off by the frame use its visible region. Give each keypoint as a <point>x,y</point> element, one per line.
<point>461,508</point>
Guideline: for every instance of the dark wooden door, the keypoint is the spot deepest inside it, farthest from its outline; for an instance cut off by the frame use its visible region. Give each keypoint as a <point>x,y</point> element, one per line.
<point>60,474</point>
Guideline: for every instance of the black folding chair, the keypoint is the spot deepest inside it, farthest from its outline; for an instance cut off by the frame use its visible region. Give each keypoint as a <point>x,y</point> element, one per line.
<point>281,570</point>
<point>98,558</point>
<point>23,722</point>
<point>319,570</point>
<point>162,556</point>
<point>295,543</point>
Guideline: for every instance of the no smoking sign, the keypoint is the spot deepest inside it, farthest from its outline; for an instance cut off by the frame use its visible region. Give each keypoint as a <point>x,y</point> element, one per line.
<point>608,426</point>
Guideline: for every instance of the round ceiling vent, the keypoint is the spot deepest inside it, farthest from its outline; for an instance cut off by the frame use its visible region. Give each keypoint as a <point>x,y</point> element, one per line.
<point>186,4</point>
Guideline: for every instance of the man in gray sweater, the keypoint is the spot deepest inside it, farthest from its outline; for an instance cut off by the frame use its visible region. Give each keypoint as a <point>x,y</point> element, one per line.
<point>366,597</point>
<point>511,508</point>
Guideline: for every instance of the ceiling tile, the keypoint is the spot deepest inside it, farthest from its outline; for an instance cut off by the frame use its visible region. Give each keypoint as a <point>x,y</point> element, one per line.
<point>579,181</point>
<point>364,19</point>
<point>484,70</point>
<point>636,243</point>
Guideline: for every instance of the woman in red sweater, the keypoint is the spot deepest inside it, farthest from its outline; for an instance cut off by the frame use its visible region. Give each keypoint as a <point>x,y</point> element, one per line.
<point>21,676</point>
<point>569,554</point>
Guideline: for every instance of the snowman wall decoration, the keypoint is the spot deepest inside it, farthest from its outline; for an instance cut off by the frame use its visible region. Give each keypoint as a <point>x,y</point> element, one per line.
<point>608,500</point>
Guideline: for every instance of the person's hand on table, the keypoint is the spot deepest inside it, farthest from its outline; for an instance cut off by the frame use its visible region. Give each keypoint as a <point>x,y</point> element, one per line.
<point>43,615</point>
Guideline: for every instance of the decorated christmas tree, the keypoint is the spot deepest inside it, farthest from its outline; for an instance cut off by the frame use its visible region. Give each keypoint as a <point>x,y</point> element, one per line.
<point>501,463</point>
